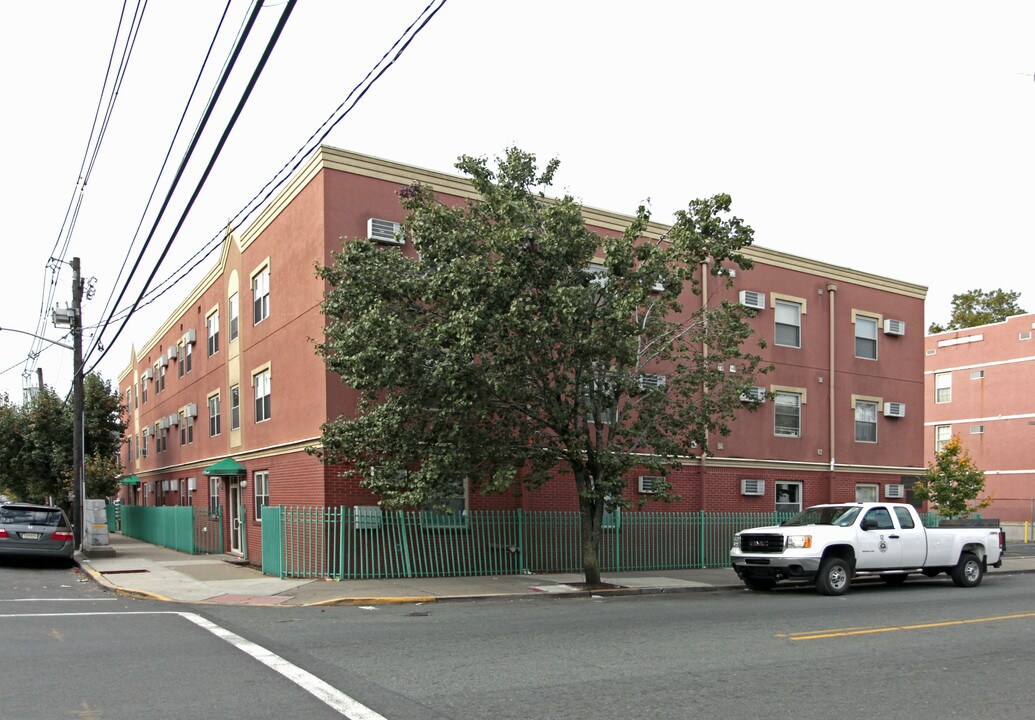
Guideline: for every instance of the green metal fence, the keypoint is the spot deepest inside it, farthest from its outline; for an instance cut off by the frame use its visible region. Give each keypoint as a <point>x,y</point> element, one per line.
<point>365,542</point>
<point>193,530</point>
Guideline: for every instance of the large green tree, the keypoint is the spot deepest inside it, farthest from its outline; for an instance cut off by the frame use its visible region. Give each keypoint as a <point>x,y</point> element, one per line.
<point>519,344</point>
<point>36,443</point>
<point>952,482</point>
<point>978,307</point>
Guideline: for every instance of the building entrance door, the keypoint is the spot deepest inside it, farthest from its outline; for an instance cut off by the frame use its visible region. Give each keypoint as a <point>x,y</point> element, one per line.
<point>236,521</point>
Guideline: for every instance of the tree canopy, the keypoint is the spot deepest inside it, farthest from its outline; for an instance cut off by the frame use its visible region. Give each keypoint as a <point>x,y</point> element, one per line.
<point>952,482</point>
<point>518,343</point>
<point>36,443</point>
<point>978,307</point>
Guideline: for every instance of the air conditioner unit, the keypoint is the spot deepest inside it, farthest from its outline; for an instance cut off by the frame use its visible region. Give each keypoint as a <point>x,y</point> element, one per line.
<point>164,423</point>
<point>192,484</point>
<point>892,491</point>
<point>146,431</point>
<point>385,231</point>
<point>174,419</point>
<point>894,409</point>
<point>752,299</point>
<point>652,382</point>
<point>164,360</point>
<point>190,337</point>
<point>172,353</point>
<point>367,517</point>
<point>752,487</point>
<point>650,484</point>
<point>192,410</point>
<point>753,395</point>
<point>146,376</point>
<point>894,327</point>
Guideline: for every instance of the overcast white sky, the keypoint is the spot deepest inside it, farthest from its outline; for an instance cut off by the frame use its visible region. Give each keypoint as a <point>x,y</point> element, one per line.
<point>895,138</point>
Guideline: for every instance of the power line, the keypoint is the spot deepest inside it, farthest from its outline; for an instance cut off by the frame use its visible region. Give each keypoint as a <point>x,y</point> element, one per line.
<point>289,6</point>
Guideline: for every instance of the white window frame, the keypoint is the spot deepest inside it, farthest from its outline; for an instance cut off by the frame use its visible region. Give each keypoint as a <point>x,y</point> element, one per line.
<point>213,493</point>
<point>860,407</point>
<point>261,383</point>
<point>866,321</point>
<point>942,388</point>
<point>870,492</point>
<point>796,488</point>
<point>783,307</point>
<point>235,407</point>
<point>234,317</point>
<point>942,435</point>
<point>261,483</point>
<point>261,294</point>
<point>780,398</point>
<point>212,331</point>
<point>214,420</point>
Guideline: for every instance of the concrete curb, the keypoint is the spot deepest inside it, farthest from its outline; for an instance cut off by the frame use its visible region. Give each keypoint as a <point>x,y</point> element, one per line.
<point>107,584</point>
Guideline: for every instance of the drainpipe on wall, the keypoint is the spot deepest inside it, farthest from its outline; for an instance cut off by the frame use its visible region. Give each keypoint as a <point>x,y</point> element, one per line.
<point>831,293</point>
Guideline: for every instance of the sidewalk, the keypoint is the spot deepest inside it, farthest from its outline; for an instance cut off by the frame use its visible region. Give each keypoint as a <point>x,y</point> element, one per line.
<point>139,569</point>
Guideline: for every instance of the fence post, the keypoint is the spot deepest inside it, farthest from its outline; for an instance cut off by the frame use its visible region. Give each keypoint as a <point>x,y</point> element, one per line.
<point>520,542</point>
<point>617,539</point>
<point>701,558</point>
<point>407,565</point>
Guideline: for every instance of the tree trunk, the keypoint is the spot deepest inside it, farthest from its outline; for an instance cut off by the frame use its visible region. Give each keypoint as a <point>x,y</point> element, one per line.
<point>592,512</point>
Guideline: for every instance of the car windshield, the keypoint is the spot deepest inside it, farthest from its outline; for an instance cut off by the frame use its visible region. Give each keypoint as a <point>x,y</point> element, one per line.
<point>842,515</point>
<point>10,515</point>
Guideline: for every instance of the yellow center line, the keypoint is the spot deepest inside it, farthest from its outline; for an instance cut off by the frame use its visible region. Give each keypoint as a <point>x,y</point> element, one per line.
<point>848,632</point>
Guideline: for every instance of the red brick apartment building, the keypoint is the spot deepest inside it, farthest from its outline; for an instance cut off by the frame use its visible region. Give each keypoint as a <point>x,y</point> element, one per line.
<point>228,392</point>
<point>979,386</point>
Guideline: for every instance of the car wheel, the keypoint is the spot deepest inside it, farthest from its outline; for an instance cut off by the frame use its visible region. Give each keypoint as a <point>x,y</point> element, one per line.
<point>834,577</point>
<point>968,571</point>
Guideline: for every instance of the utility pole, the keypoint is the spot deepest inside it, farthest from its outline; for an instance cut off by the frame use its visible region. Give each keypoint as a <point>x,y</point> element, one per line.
<point>78,465</point>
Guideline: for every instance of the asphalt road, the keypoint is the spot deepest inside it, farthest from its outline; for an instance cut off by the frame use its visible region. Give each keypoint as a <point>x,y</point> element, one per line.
<point>923,650</point>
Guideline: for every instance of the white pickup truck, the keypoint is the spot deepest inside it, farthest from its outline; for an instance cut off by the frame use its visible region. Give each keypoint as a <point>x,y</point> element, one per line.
<point>831,544</point>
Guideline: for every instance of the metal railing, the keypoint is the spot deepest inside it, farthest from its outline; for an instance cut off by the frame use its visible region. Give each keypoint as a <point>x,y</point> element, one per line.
<point>193,530</point>
<point>357,542</point>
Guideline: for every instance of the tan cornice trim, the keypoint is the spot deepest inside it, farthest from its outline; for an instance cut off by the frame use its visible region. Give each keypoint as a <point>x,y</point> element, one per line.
<point>199,465</point>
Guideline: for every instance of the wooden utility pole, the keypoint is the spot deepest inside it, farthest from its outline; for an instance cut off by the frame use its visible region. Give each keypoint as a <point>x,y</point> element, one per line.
<point>78,465</point>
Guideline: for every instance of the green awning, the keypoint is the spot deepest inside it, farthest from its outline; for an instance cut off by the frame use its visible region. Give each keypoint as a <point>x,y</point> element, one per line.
<point>226,466</point>
<point>130,480</point>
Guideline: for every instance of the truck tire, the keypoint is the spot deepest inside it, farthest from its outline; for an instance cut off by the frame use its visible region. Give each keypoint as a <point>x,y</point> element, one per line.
<point>834,576</point>
<point>968,571</point>
<point>759,584</point>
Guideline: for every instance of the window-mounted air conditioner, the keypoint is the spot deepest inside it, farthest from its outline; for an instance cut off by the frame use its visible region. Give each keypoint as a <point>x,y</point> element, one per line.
<point>163,423</point>
<point>894,327</point>
<point>163,361</point>
<point>752,299</point>
<point>367,517</point>
<point>753,395</point>
<point>652,382</point>
<point>894,409</point>
<point>385,231</point>
<point>172,353</point>
<point>649,484</point>
<point>190,337</point>
<point>192,410</point>
<point>192,484</point>
<point>752,487</point>
<point>174,419</point>
<point>894,490</point>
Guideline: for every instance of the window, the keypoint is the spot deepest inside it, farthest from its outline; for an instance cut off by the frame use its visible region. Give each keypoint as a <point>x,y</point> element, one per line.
<point>138,445</point>
<point>213,416</point>
<point>865,421</point>
<point>881,517</point>
<point>213,493</point>
<point>235,316</point>
<point>262,396</point>
<point>160,383</point>
<point>190,428</point>
<point>943,387</point>
<point>158,386</point>
<point>977,374</point>
<point>135,403</point>
<point>788,497</point>
<point>235,407</point>
<point>180,369</point>
<point>261,480</point>
<point>143,449</point>
<point>161,438</point>
<point>452,511</point>
<point>788,323</point>
<point>905,520</point>
<point>187,352</point>
<point>143,391</point>
<point>788,414</point>
<point>866,492</point>
<point>261,295</point>
<point>942,434</point>
<point>865,337</point>
<point>212,325</point>
<point>183,429</point>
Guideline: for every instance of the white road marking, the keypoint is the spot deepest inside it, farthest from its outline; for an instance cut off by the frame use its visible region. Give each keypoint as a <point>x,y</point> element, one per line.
<point>58,599</point>
<point>322,691</point>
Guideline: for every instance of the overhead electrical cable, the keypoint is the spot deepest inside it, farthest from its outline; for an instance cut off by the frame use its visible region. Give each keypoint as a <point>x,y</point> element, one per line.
<point>252,206</point>
<point>289,6</point>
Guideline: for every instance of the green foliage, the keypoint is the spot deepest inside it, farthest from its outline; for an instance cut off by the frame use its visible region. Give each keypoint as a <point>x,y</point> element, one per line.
<point>978,307</point>
<point>953,482</point>
<point>499,357</point>
<point>36,443</point>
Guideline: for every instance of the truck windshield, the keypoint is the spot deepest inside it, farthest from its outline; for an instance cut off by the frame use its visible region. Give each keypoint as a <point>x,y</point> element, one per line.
<point>842,515</point>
